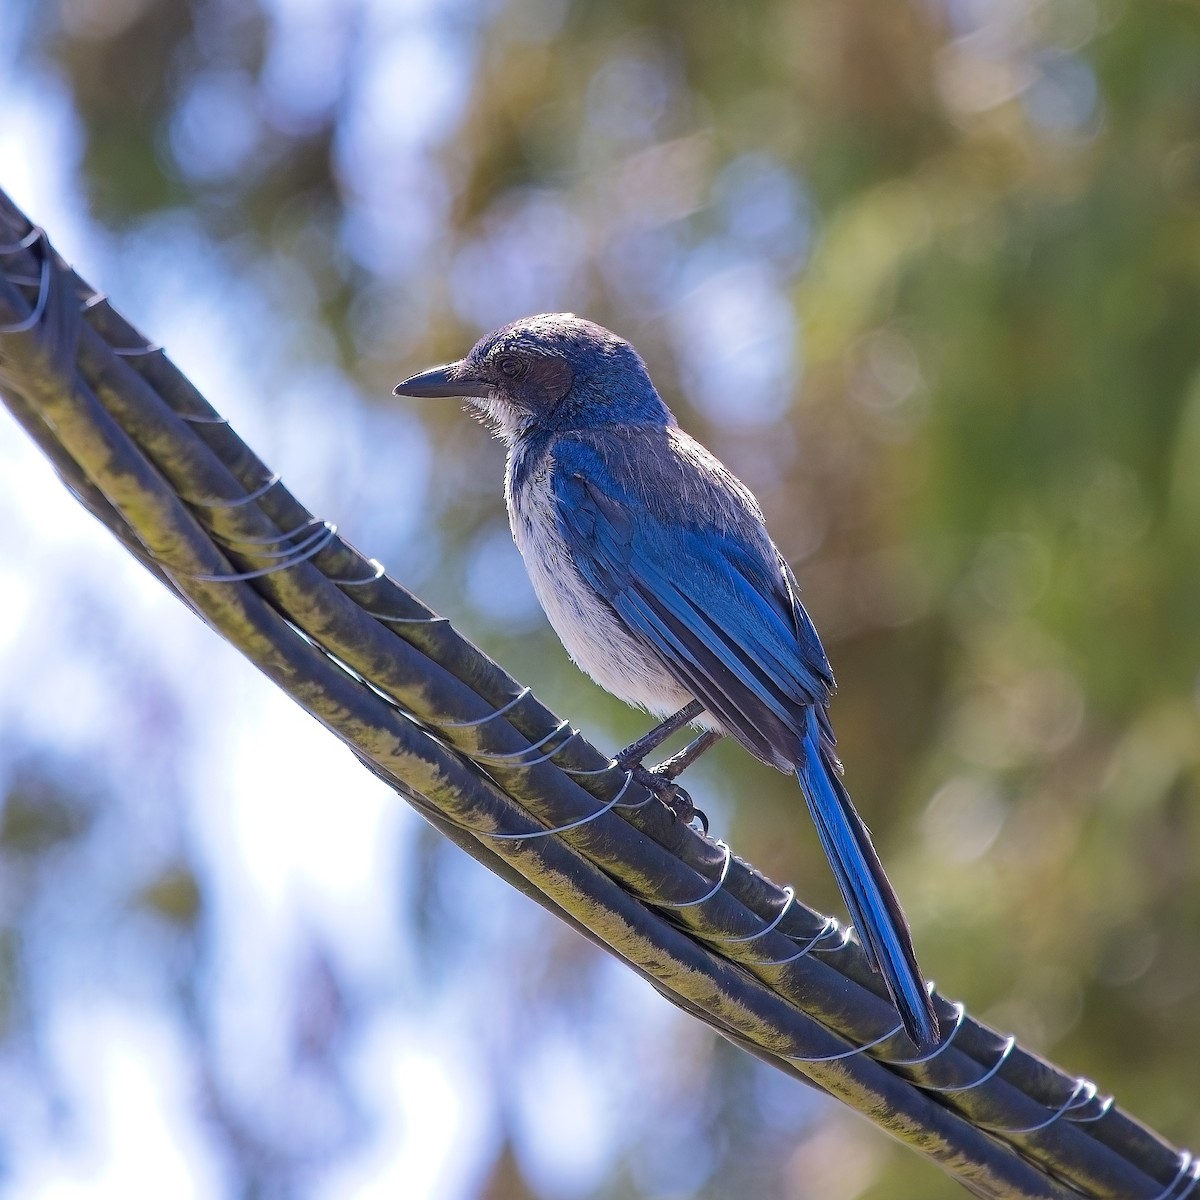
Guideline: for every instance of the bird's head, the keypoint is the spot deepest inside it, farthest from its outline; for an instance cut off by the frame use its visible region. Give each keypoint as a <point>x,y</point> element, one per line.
<point>553,371</point>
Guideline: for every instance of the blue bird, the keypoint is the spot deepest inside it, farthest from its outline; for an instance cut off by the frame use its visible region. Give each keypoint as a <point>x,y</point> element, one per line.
<point>654,565</point>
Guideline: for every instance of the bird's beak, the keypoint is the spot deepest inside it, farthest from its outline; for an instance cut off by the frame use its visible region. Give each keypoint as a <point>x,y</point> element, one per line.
<point>454,379</point>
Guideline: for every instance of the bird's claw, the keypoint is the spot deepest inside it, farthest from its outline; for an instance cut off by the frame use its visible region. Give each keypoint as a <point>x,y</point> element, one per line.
<point>671,794</point>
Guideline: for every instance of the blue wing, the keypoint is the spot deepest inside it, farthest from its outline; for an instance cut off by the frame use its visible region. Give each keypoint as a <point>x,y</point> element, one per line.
<point>713,602</point>
<point>679,553</point>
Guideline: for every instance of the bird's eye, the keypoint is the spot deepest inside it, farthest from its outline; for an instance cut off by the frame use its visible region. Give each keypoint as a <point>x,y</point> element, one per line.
<point>511,366</point>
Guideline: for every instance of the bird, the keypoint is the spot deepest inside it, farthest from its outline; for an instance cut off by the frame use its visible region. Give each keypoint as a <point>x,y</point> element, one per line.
<point>654,566</point>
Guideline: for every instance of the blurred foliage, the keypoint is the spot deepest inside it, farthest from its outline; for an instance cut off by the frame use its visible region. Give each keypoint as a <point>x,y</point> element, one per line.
<point>925,274</point>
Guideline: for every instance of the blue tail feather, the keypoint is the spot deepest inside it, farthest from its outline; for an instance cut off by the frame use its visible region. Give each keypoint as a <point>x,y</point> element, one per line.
<point>874,907</point>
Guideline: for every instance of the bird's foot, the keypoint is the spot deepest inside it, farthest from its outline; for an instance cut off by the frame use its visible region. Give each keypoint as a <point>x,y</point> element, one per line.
<point>665,789</point>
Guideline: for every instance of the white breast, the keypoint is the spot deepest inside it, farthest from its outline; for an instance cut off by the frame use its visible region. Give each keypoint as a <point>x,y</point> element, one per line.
<point>593,636</point>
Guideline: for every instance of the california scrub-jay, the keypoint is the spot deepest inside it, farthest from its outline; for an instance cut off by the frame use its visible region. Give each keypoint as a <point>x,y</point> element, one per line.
<point>656,570</point>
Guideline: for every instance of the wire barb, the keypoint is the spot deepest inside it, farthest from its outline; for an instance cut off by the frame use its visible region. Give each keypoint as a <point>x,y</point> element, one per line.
<point>960,1015</point>
<point>307,549</point>
<point>32,238</point>
<point>1081,1095</point>
<point>832,928</point>
<point>758,933</point>
<point>271,539</point>
<point>393,619</point>
<point>39,308</point>
<point>577,773</point>
<point>479,722</point>
<point>202,418</point>
<point>1189,1169</point>
<point>716,887</point>
<point>515,756</point>
<point>248,498</point>
<point>541,833</point>
<point>844,1054</point>
<point>1008,1046</point>
<point>377,574</point>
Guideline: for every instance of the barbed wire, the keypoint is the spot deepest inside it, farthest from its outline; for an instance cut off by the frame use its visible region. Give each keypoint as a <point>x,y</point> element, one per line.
<point>515,786</point>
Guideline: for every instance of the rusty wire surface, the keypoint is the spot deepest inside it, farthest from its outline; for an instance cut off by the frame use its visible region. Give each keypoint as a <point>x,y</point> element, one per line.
<point>491,767</point>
